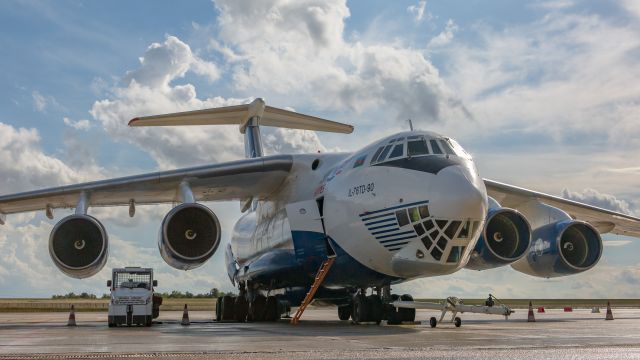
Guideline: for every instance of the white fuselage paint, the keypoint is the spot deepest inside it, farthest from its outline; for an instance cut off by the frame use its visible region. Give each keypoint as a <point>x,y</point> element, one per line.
<point>454,193</point>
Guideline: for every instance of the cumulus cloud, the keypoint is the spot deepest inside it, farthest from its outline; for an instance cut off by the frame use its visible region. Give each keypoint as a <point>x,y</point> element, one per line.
<point>39,102</point>
<point>445,36</point>
<point>25,166</point>
<point>596,198</point>
<point>162,63</point>
<point>417,11</point>
<point>78,125</point>
<point>308,62</point>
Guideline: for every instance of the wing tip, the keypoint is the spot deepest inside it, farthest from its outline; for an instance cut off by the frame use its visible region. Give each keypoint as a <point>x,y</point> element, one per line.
<point>133,122</point>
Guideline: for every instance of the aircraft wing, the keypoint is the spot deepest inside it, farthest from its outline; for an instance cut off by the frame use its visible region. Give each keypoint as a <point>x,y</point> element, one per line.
<point>236,180</point>
<point>615,222</point>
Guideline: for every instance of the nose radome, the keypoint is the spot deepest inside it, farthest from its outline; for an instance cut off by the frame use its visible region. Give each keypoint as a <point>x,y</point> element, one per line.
<point>455,193</point>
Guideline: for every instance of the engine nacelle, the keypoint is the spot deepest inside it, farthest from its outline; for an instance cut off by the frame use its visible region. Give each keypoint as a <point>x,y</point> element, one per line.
<point>505,239</point>
<point>189,236</point>
<point>561,248</point>
<point>79,246</point>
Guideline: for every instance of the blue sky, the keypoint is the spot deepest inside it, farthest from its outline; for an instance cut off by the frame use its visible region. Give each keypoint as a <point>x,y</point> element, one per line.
<point>544,94</point>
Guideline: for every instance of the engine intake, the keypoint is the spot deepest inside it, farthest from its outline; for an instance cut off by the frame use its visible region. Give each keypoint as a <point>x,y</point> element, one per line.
<point>562,248</point>
<point>505,239</point>
<point>79,246</point>
<point>189,236</point>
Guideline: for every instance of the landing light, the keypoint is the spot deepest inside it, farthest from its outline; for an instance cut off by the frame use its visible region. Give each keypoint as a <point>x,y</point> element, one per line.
<point>419,254</point>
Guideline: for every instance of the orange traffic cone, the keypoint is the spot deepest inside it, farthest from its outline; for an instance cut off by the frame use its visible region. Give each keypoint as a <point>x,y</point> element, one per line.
<point>72,317</point>
<point>531,317</point>
<point>609,313</point>
<point>185,316</point>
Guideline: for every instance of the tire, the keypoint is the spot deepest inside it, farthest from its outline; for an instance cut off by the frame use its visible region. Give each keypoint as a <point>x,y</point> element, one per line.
<point>228,305</point>
<point>219,309</point>
<point>360,309</point>
<point>376,311</point>
<point>457,321</point>
<point>344,312</point>
<point>110,322</point>
<point>257,307</point>
<point>148,320</point>
<point>408,315</point>
<point>433,322</point>
<point>241,309</point>
<point>272,313</point>
<point>391,312</point>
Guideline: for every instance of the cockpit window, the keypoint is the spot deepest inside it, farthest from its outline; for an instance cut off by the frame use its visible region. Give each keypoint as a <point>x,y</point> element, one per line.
<point>417,147</point>
<point>398,151</point>
<point>384,153</point>
<point>435,147</point>
<point>447,147</point>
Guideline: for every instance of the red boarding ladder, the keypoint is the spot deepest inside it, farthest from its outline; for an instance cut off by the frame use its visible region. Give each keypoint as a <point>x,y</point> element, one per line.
<point>322,272</point>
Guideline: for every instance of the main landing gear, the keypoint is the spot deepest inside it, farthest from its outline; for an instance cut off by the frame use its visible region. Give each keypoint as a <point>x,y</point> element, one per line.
<point>375,307</point>
<point>237,308</point>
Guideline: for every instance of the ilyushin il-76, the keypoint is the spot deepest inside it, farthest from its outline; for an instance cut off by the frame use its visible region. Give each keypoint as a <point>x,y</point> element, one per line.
<point>407,206</point>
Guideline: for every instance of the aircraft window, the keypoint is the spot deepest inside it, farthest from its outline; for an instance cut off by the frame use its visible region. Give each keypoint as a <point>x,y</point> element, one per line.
<point>435,147</point>
<point>419,229</point>
<point>401,216</point>
<point>447,148</point>
<point>384,153</point>
<point>452,229</point>
<point>376,154</point>
<point>455,254</point>
<point>424,211</point>
<point>414,214</point>
<point>417,147</point>
<point>458,149</point>
<point>427,242</point>
<point>429,225</point>
<point>464,232</point>
<point>436,253</point>
<point>442,242</point>
<point>398,150</point>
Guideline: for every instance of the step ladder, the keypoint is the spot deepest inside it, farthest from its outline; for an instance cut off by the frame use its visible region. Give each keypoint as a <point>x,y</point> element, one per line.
<point>322,272</point>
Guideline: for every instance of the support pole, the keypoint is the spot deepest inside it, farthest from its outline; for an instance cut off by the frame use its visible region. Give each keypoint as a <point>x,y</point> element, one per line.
<point>83,204</point>
<point>185,193</point>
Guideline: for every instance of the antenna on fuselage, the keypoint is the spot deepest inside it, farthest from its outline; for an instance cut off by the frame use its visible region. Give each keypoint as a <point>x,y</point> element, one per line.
<point>410,124</point>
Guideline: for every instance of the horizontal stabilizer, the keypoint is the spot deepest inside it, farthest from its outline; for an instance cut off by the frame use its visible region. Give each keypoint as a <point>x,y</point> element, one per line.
<point>241,114</point>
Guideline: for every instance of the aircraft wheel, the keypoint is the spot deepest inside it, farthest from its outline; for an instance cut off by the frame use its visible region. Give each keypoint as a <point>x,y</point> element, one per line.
<point>457,321</point>
<point>148,321</point>
<point>359,313</point>
<point>241,308</point>
<point>272,312</point>
<point>393,316</point>
<point>433,322</point>
<point>257,307</point>
<point>227,310</point>
<point>408,315</point>
<point>219,309</point>
<point>375,308</point>
<point>344,312</point>
<point>110,322</point>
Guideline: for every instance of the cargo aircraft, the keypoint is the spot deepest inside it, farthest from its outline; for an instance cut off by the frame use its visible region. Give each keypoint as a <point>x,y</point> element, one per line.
<point>407,206</point>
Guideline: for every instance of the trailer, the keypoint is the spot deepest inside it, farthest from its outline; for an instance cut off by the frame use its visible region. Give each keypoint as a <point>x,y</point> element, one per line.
<point>454,305</point>
<point>132,297</point>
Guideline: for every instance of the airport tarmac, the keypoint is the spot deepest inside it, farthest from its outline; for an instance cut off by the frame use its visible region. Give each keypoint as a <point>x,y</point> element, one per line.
<point>555,335</point>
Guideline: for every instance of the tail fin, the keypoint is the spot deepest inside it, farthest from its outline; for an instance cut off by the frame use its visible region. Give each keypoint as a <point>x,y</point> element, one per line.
<point>249,117</point>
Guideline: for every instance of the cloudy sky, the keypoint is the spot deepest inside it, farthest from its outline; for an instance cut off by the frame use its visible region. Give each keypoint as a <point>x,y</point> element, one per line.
<point>544,94</point>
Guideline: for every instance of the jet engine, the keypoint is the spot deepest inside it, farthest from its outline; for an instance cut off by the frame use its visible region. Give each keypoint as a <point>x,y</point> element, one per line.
<point>189,236</point>
<point>79,246</point>
<point>561,248</point>
<point>506,238</point>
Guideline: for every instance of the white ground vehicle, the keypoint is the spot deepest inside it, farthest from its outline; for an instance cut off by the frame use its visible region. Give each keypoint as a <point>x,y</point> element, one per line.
<point>132,299</point>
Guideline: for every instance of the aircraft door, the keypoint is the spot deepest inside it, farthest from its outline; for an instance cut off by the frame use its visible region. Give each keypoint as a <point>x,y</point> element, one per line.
<point>307,230</point>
